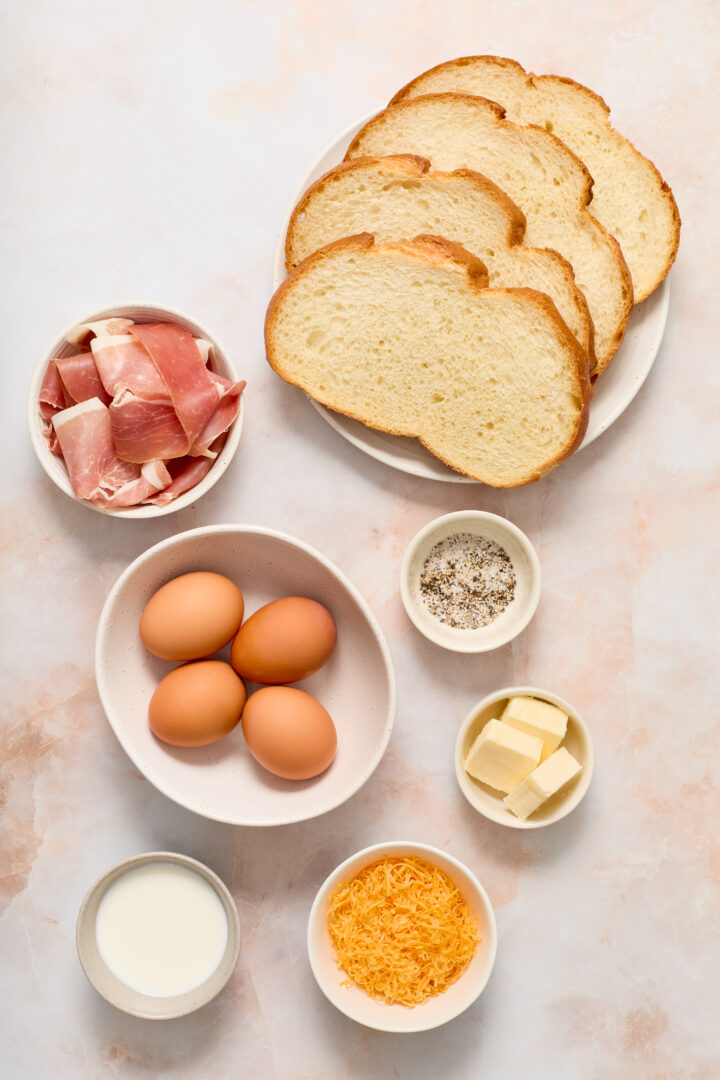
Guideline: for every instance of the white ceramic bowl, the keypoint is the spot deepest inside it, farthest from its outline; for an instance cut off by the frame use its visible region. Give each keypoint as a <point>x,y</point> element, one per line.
<point>490,802</point>
<point>516,615</point>
<point>141,313</point>
<point>353,1001</point>
<point>223,781</point>
<point>149,1006</point>
<point>618,386</point>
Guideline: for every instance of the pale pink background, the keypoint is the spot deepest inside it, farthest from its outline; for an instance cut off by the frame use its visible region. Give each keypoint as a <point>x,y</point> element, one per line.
<point>150,152</point>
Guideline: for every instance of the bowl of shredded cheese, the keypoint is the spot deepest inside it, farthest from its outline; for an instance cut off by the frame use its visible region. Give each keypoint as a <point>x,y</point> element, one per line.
<point>402,937</point>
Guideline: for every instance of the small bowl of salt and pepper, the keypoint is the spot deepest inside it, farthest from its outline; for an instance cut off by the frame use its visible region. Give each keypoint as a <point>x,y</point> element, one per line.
<point>470,581</point>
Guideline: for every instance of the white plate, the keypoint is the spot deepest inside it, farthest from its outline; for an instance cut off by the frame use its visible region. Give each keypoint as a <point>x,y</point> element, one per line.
<point>223,781</point>
<point>614,390</point>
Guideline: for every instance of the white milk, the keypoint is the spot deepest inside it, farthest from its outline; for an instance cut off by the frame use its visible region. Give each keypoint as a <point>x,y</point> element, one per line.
<point>161,929</point>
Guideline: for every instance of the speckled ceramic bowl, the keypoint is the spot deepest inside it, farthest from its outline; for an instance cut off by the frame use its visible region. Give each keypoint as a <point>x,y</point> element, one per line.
<point>516,615</point>
<point>223,781</point>
<point>148,1006</point>
<point>437,1010</point>
<point>220,363</point>
<point>489,802</point>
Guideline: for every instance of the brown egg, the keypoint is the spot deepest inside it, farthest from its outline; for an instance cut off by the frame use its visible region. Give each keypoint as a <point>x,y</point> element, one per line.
<point>289,732</point>
<point>284,641</point>
<point>197,704</point>
<point>191,616</point>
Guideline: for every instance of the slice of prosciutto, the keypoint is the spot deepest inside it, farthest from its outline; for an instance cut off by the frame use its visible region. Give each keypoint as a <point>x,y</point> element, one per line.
<point>187,473</point>
<point>195,394</point>
<point>80,333</point>
<point>224,415</point>
<point>153,477</point>
<point>85,438</point>
<point>203,347</point>
<point>80,378</point>
<point>49,433</point>
<point>124,363</point>
<point>52,397</point>
<point>144,428</point>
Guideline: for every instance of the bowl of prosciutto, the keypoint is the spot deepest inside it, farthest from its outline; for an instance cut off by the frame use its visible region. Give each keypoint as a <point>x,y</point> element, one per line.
<point>135,411</point>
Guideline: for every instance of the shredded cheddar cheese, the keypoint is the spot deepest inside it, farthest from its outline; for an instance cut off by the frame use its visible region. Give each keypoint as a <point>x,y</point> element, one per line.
<point>401,930</point>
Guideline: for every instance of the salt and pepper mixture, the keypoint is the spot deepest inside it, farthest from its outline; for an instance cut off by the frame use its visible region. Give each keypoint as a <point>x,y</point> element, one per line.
<point>467,581</point>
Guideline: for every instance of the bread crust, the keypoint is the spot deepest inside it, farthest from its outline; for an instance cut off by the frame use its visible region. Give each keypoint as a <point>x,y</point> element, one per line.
<point>412,165</point>
<point>405,165</point>
<point>440,251</point>
<point>585,195</point>
<point>500,115</point>
<point>534,80</point>
<point>461,61</point>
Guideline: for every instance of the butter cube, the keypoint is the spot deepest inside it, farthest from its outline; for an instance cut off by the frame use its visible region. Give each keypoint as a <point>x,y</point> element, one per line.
<point>502,756</point>
<point>538,718</point>
<point>549,778</point>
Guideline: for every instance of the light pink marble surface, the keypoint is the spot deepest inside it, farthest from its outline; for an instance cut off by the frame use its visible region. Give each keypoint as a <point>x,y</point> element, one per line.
<point>150,151</point>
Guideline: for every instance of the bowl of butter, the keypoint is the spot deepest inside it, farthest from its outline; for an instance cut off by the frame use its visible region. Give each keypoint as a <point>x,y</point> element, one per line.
<point>524,757</point>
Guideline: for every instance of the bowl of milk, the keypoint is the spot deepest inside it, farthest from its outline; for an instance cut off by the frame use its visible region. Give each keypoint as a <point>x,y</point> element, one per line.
<point>158,935</point>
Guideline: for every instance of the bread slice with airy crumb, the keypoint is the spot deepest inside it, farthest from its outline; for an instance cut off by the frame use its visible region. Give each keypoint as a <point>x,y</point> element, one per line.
<point>541,176</point>
<point>630,197</point>
<point>407,338</point>
<point>395,198</point>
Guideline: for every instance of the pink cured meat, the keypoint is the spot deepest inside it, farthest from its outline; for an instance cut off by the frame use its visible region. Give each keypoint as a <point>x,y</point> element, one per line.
<point>145,429</point>
<point>115,325</point>
<point>124,364</point>
<point>49,433</point>
<point>194,393</point>
<point>163,396</point>
<point>221,419</point>
<point>80,378</point>
<point>85,438</point>
<point>157,474</point>
<point>51,398</point>
<point>153,477</point>
<point>190,473</point>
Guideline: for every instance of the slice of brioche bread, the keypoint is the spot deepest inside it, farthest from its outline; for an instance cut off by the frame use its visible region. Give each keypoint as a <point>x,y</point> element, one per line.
<point>549,184</point>
<point>406,338</point>
<point>630,197</point>
<point>395,198</point>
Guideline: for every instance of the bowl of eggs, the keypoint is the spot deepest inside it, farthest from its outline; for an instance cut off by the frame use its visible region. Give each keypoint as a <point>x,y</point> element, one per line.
<point>245,676</point>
